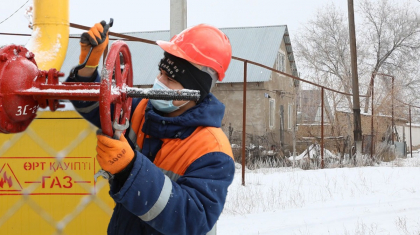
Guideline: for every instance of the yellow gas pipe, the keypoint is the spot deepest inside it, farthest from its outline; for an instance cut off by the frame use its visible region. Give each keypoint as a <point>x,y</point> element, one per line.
<point>50,35</point>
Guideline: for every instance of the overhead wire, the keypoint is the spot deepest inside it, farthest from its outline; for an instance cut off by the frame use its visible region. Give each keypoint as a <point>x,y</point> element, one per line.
<point>14,12</point>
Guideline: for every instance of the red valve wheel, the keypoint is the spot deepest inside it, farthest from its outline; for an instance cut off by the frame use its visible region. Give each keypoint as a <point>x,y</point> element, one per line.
<point>116,75</point>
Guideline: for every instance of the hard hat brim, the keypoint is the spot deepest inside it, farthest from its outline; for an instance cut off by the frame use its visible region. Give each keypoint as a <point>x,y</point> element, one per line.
<point>173,49</point>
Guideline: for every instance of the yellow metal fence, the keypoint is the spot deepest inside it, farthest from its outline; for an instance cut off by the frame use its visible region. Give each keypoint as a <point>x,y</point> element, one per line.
<point>46,178</point>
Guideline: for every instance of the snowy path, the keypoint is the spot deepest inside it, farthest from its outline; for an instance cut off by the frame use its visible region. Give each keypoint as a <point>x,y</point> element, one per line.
<point>368,200</point>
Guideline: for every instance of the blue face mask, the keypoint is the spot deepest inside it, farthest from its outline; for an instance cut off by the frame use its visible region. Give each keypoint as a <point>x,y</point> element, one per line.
<point>166,106</point>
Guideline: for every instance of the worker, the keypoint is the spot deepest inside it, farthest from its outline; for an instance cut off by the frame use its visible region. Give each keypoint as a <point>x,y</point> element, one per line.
<point>170,172</point>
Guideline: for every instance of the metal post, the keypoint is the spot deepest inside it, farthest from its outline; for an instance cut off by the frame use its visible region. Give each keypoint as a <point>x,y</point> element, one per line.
<point>244,124</point>
<point>294,122</point>
<point>371,121</point>
<point>355,81</point>
<point>392,103</point>
<point>411,137</point>
<point>392,110</point>
<point>280,142</point>
<point>322,127</point>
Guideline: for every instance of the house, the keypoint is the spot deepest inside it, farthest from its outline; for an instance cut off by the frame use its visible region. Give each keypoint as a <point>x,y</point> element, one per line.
<point>270,107</point>
<point>270,112</point>
<point>339,127</point>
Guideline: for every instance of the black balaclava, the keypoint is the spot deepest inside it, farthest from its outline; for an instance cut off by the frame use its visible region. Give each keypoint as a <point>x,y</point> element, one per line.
<point>187,74</point>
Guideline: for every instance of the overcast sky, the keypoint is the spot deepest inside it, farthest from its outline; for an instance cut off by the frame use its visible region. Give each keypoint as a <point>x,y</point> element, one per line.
<point>148,15</point>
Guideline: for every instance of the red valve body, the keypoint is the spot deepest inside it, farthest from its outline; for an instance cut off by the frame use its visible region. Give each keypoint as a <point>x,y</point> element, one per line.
<point>24,88</point>
<point>18,70</point>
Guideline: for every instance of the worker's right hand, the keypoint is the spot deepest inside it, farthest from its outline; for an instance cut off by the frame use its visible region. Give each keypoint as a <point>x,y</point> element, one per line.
<point>113,155</point>
<point>97,36</point>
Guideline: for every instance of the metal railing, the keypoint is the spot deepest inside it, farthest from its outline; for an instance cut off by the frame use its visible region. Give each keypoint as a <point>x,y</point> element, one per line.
<point>89,197</point>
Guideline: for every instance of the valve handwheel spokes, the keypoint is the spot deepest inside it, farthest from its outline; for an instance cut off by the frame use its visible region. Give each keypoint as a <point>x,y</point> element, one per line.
<point>116,75</point>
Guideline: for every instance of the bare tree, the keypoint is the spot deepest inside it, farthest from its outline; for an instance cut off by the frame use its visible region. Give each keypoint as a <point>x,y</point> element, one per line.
<point>323,50</point>
<point>388,35</point>
<point>391,32</point>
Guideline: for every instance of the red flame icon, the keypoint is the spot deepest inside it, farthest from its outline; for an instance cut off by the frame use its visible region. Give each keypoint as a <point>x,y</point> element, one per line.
<point>7,180</point>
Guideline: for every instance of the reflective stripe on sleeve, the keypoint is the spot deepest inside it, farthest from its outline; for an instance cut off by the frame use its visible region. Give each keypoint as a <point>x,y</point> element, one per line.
<point>160,204</point>
<point>88,108</point>
<point>133,137</point>
<point>174,177</point>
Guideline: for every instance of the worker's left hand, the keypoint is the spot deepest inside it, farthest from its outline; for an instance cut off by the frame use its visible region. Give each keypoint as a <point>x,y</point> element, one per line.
<point>113,155</point>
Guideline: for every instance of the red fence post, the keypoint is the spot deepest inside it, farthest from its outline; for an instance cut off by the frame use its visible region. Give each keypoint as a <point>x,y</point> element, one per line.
<point>322,127</point>
<point>244,124</point>
<point>371,121</point>
<point>411,137</point>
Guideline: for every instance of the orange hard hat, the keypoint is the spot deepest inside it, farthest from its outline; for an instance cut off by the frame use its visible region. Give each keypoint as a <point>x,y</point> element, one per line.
<point>201,44</point>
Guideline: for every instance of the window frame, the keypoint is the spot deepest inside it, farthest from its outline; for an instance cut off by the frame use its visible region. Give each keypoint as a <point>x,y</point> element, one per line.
<point>281,61</point>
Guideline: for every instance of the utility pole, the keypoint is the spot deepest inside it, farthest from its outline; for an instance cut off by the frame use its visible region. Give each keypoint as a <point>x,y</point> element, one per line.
<point>178,18</point>
<point>355,82</point>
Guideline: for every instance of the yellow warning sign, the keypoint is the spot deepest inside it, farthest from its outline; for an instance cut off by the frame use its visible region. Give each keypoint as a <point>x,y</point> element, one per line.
<point>47,179</point>
<point>46,175</point>
<point>6,179</point>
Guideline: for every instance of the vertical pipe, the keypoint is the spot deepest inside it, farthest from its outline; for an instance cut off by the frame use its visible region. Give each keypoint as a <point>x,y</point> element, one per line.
<point>280,142</point>
<point>244,124</point>
<point>411,137</point>
<point>371,120</point>
<point>50,35</point>
<point>392,110</point>
<point>355,80</point>
<point>322,127</point>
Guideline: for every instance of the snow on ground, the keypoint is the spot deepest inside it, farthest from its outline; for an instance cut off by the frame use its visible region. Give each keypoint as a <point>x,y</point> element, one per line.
<point>382,199</point>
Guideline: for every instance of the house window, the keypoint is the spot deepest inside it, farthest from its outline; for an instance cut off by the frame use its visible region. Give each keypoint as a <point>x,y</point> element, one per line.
<point>271,112</point>
<point>280,62</point>
<point>290,116</point>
